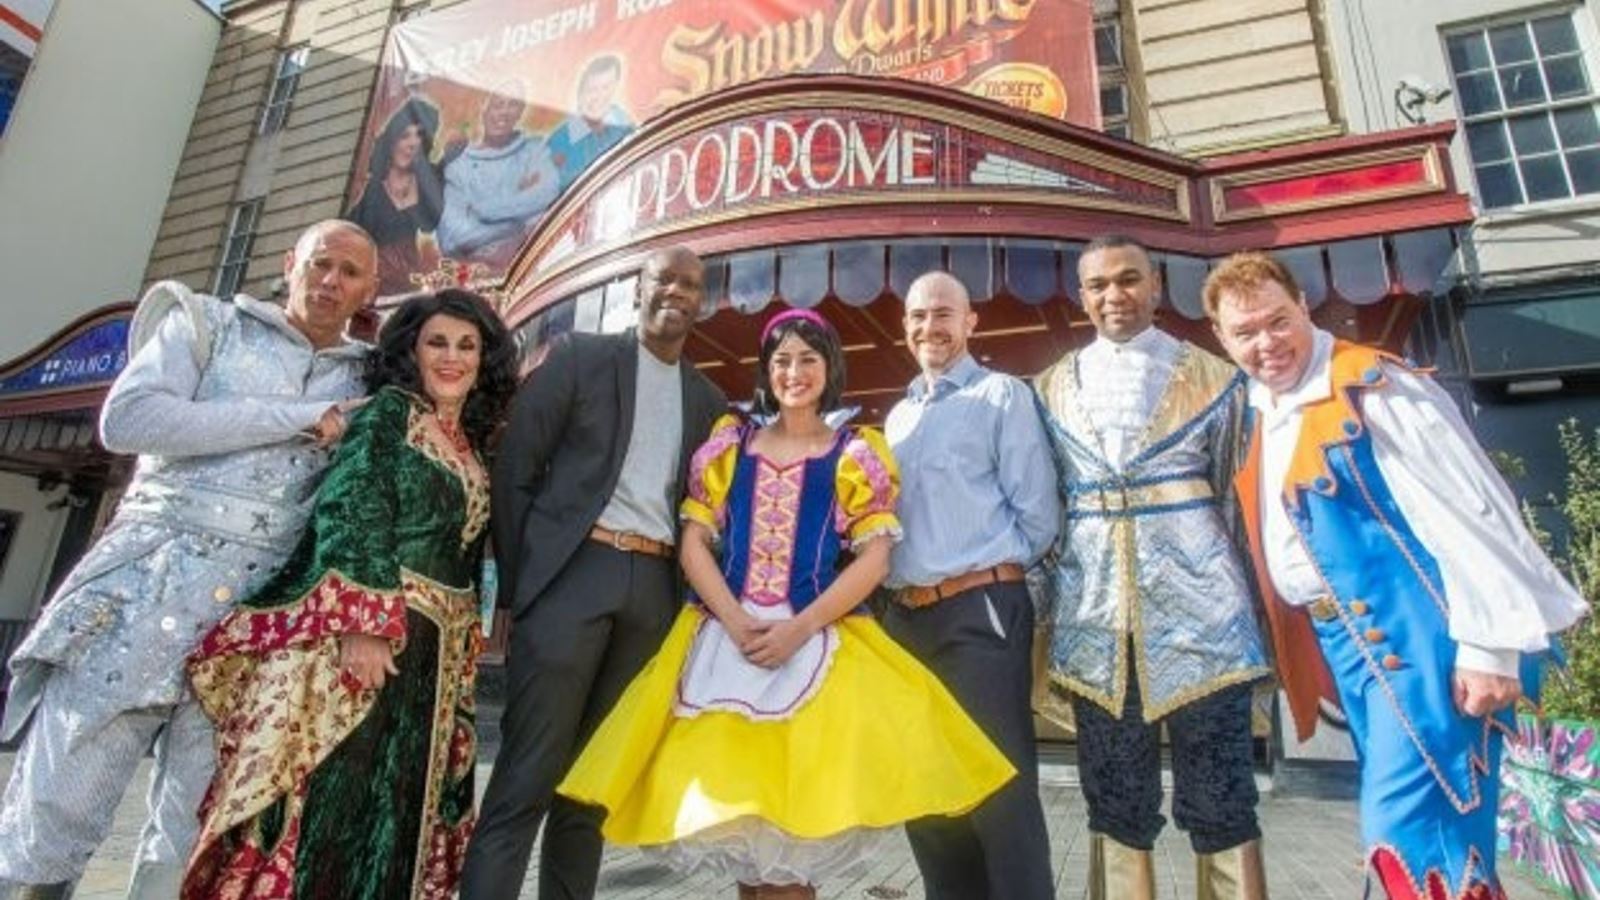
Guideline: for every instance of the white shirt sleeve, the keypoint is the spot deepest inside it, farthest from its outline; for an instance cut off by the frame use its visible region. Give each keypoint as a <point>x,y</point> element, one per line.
<point>1505,595</point>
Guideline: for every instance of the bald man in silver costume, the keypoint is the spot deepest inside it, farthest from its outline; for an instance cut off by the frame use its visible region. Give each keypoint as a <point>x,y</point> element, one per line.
<point>231,406</point>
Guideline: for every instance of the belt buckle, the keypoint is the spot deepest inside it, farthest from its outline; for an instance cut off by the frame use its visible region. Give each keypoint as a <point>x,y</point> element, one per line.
<point>1323,608</point>
<point>620,541</point>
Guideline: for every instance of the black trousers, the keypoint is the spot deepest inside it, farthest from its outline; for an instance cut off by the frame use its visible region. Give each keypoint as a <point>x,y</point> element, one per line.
<point>979,643</point>
<point>570,656</point>
<point>1213,775</point>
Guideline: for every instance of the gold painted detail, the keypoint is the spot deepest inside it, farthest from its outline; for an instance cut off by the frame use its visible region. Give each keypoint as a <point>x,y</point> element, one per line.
<point>1126,500</point>
<point>425,437</point>
<point>453,745</point>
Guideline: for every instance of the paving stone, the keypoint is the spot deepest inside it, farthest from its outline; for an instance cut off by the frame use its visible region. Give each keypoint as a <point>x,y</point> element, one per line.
<point>1311,846</point>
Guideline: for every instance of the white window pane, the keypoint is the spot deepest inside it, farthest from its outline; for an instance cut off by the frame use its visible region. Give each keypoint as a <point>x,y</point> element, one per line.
<point>1566,77</point>
<point>1108,45</point>
<point>1478,93</point>
<point>1578,126</point>
<point>1521,85</point>
<point>1532,134</point>
<point>1511,44</point>
<point>1497,186</point>
<point>1468,52</point>
<point>1487,141</point>
<point>1113,101</point>
<point>1585,168</point>
<point>1545,178</point>
<point>1555,35</point>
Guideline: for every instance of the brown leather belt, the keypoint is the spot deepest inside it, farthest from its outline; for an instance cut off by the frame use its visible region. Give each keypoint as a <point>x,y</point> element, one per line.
<point>628,542</point>
<point>918,597</point>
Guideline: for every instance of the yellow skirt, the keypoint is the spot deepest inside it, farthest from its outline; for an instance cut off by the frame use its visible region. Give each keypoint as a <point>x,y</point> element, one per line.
<point>881,743</point>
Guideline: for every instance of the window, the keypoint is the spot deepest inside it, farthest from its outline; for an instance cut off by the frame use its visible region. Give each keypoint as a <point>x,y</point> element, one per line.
<point>236,251</point>
<point>1108,56</point>
<point>291,62</point>
<point>1529,106</point>
<point>1108,43</point>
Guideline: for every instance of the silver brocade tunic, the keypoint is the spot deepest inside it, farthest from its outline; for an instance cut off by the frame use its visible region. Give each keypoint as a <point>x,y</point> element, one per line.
<point>1147,551</point>
<point>216,399</point>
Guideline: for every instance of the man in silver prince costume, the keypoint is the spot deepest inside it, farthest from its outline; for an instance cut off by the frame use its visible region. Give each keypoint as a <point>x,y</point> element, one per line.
<point>231,407</point>
<point>1155,624</point>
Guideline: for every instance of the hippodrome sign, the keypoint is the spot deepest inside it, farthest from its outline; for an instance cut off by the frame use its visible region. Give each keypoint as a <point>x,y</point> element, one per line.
<point>830,155</point>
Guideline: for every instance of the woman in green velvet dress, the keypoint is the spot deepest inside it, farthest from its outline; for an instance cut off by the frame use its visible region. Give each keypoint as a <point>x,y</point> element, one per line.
<point>342,693</point>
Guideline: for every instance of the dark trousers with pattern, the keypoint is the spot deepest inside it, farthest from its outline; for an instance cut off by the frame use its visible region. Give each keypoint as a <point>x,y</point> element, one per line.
<point>1213,774</point>
<point>979,643</point>
<point>572,653</point>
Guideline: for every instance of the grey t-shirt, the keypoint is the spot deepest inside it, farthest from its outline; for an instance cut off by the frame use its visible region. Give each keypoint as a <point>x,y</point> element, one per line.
<point>643,500</point>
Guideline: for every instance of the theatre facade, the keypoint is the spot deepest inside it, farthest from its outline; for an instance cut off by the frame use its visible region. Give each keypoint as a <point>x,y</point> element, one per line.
<point>834,192</point>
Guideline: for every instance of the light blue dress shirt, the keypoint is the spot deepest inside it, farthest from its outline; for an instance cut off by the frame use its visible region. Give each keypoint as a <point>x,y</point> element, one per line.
<point>977,479</point>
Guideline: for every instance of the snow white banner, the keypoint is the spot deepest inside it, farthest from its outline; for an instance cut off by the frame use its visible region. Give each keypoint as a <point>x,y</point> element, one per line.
<point>486,112</point>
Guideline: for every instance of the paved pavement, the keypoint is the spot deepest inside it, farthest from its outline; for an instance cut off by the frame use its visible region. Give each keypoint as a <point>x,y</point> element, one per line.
<point>1312,854</point>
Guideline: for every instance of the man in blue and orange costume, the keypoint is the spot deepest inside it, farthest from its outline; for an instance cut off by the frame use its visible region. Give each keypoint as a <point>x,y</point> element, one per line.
<point>1398,577</point>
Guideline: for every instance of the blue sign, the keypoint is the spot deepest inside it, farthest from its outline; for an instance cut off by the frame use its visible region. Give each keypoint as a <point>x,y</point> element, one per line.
<point>91,358</point>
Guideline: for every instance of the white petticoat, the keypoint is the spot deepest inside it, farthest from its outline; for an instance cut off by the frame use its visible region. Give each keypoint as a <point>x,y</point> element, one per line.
<point>754,851</point>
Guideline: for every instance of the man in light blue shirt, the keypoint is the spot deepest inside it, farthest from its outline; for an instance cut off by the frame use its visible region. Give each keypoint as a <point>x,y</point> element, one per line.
<point>978,505</point>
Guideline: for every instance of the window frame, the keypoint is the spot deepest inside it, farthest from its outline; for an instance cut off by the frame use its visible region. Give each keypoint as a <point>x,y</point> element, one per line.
<point>237,246</point>
<point>1548,107</point>
<point>1113,75</point>
<point>291,64</point>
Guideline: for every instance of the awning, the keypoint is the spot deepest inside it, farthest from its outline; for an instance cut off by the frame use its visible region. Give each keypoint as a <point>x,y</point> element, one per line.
<point>1026,293</point>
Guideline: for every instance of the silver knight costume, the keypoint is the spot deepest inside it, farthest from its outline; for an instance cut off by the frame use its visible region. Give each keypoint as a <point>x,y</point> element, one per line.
<point>1147,548</point>
<point>217,400</point>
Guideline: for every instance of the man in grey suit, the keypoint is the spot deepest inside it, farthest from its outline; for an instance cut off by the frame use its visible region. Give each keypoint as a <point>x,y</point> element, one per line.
<point>586,491</point>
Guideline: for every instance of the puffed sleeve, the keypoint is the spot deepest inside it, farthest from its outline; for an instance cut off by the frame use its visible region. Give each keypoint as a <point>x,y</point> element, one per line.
<point>868,485</point>
<point>1505,595</point>
<point>711,475</point>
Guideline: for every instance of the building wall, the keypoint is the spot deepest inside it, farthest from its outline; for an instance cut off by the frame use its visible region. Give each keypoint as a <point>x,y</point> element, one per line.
<point>1377,44</point>
<point>88,154</point>
<point>302,170</point>
<point>1214,76</point>
<point>1513,258</point>
<point>26,567</point>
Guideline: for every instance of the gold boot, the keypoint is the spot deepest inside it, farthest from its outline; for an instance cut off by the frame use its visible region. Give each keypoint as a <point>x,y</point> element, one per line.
<point>1236,874</point>
<point>1117,872</point>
